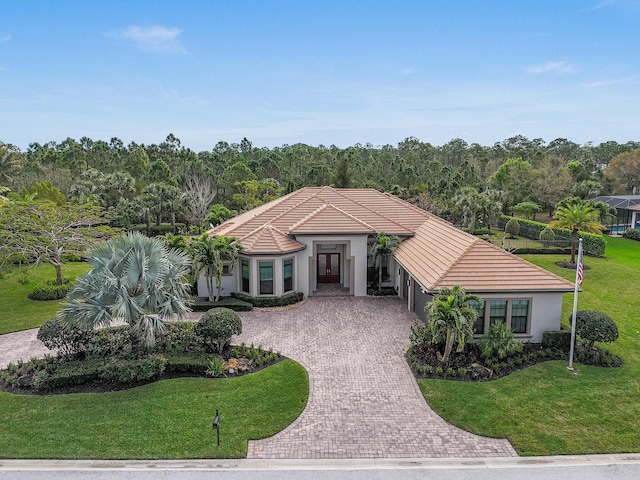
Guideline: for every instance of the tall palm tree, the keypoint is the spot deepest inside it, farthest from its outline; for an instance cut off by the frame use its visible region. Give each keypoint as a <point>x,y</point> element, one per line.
<point>451,318</point>
<point>209,254</point>
<point>577,216</point>
<point>383,246</point>
<point>134,278</point>
<point>469,202</point>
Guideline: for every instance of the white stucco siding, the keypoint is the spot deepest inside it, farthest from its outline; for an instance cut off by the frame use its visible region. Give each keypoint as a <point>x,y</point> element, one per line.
<point>229,284</point>
<point>546,314</point>
<point>353,250</point>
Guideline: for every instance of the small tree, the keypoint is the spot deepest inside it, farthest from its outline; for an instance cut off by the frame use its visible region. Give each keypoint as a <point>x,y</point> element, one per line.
<point>527,209</point>
<point>451,318</point>
<point>512,228</point>
<point>576,217</point>
<point>547,236</point>
<point>217,326</point>
<point>593,326</point>
<point>383,246</point>
<point>209,254</point>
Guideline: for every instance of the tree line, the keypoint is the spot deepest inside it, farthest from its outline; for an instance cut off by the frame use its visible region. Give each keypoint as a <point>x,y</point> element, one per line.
<point>170,183</point>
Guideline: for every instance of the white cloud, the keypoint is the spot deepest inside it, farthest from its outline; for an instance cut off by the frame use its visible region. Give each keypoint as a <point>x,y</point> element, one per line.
<point>606,83</point>
<point>551,67</point>
<point>155,39</point>
<point>5,38</point>
<point>407,71</point>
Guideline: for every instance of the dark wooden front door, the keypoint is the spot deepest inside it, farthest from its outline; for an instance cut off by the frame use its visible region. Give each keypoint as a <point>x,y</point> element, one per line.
<point>328,268</point>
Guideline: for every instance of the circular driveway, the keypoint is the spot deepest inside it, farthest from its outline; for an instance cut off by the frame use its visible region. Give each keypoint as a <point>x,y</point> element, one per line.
<point>364,401</point>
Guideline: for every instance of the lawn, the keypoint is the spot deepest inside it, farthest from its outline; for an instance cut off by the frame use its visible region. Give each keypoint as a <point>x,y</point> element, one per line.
<point>165,419</point>
<point>21,313</point>
<point>547,410</point>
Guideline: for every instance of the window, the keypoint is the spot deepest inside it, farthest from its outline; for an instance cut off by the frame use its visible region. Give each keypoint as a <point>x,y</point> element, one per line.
<point>266,278</point>
<point>498,312</point>
<point>226,269</point>
<point>519,315</point>
<point>287,274</point>
<point>245,275</point>
<point>478,325</point>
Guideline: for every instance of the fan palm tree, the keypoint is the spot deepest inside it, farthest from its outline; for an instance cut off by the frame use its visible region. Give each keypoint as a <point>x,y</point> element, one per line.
<point>383,246</point>
<point>134,278</point>
<point>451,318</point>
<point>209,254</point>
<point>577,216</point>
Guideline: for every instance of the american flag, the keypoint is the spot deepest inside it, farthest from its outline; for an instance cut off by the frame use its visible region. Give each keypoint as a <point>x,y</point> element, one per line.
<point>579,270</point>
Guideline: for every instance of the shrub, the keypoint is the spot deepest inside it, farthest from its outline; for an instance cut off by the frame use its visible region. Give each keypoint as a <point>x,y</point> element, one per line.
<point>109,342</point>
<point>68,341</point>
<point>593,326</point>
<point>215,367</point>
<point>632,233</point>
<point>69,374</point>
<point>598,357</point>
<point>560,340</point>
<point>547,237</point>
<point>217,326</point>
<point>132,371</point>
<point>187,364</point>
<point>420,337</point>
<point>179,337</point>
<point>50,291</point>
<point>512,228</point>
<point>235,304</point>
<point>498,342</point>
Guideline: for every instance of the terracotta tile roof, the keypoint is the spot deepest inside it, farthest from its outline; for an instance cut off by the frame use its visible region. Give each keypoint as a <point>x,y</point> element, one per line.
<point>329,219</point>
<point>269,240</point>
<point>437,254</point>
<point>442,256</point>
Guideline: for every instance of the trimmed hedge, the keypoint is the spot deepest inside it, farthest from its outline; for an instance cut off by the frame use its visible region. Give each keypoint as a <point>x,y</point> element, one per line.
<point>264,302</point>
<point>202,304</point>
<point>593,244</point>
<point>187,364</point>
<point>557,339</point>
<point>50,291</point>
<point>632,233</point>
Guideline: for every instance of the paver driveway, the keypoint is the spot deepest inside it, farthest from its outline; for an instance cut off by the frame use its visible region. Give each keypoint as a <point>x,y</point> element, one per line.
<point>363,400</point>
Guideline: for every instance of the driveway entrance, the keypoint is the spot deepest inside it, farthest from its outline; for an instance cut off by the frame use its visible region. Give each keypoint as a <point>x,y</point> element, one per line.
<point>363,399</point>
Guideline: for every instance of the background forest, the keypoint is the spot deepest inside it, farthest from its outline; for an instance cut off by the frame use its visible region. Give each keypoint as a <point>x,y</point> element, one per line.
<point>169,183</point>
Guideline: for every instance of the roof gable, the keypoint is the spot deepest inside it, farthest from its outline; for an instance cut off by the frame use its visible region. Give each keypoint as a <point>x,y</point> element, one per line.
<point>329,219</point>
<point>269,240</point>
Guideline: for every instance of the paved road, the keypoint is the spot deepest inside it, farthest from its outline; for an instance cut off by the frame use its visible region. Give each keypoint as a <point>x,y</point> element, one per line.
<point>596,467</point>
<point>363,401</point>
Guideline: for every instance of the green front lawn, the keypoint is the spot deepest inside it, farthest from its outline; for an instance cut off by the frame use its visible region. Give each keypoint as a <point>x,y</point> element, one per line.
<point>165,419</point>
<point>18,311</point>
<point>547,410</point>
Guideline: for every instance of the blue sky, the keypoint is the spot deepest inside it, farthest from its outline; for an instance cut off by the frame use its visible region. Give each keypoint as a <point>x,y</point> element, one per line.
<point>319,72</point>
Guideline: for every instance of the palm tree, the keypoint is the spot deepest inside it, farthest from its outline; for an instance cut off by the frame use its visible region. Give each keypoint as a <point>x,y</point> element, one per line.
<point>577,216</point>
<point>209,256</point>
<point>134,278</point>
<point>469,202</point>
<point>451,318</point>
<point>383,246</point>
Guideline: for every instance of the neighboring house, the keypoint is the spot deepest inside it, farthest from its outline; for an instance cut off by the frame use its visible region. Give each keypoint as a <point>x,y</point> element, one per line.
<point>628,207</point>
<point>320,235</point>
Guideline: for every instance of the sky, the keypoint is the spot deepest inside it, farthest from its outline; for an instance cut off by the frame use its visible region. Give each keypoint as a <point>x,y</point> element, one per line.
<point>319,72</point>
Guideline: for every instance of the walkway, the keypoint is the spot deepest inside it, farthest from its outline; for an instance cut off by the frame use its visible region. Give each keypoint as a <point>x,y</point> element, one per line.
<point>363,400</point>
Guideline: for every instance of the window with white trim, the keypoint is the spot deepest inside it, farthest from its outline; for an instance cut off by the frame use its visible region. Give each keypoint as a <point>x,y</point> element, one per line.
<point>266,278</point>
<point>516,313</point>
<point>287,275</point>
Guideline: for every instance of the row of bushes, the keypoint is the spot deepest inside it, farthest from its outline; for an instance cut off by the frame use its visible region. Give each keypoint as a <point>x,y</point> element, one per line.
<point>632,233</point>
<point>49,290</point>
<point>265,302</point>
<point>592,244</point>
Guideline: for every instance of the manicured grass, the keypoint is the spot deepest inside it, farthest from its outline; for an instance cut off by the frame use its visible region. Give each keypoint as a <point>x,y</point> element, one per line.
<point>18,311</point>
<point>547,410</point>
<point>166,419</point>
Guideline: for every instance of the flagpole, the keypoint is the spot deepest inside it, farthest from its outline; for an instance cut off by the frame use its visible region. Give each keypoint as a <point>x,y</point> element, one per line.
<point>575,304</point>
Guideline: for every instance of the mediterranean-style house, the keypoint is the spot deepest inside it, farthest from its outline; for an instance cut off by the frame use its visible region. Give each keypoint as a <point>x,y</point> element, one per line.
<point>322,235</point>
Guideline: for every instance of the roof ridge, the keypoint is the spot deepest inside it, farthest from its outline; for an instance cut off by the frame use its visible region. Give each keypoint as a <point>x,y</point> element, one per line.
<point>373,211</point>
<point>324,207</point>
<point>405,203</point>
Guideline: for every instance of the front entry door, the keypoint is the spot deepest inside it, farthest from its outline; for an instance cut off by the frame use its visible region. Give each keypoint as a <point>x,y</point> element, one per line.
<point>328,268</point>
